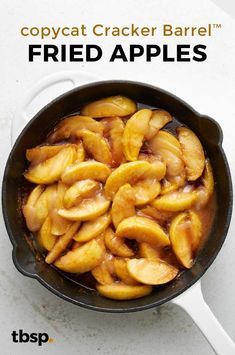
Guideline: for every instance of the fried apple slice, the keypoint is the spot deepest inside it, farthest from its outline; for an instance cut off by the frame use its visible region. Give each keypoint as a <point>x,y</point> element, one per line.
<point>160,216</point>
<point>146,191</point>
<point>120,291</point>
<point>205,191</point>
<point>93,228</point>
<point>168,147</point>
<point>123,204</point>
<point>96,146</point>
<point>61,243</point>
<point>51,169</point>
<point>116,245</point>
<point>79,190</point>
<point>113,129</point>
<point>82,259</point>
<point>147,251</point>
<point>103,272</point>
<point>193,153</point>
<point>110,107</point>
<point>69,126</point>
<point>157,121</point>
<point>120,265</point>
<point>131,173</point>
<point>85,170</point>
<point>195,230</point>
<point>39,154</point>
<point>46,239</point>
<point>36,209</point>
<point>81,154</point>
<point>151,272</point>
<point>143,230</point>
<point>87,209</point>
<point>168,186</point>
<point>135,130</point>
<point>175,201</point>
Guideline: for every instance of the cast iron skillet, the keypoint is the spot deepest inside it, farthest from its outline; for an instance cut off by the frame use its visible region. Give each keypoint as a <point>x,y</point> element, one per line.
<point>35,132</point>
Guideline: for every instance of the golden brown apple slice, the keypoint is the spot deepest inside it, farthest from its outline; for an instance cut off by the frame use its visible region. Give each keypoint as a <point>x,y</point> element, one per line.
<point>96,146</point>
<point>147,251</point>
<point>87,209</point>
<point>168,186</point>
<point>46,239</point>
<point>175,201</point>
<point>146,191</point>
<point>131,173</point>
<point>143,230</point>
<point>120,265</point>
<point>205,191</point>
<point>93,228</point>
<point>160,216</point>
<point>195,230</point>
<point>116,245</point>
<point>193,154</point>
<point>51,169</point>
<point>69,126</point>
<point>151,272</point>
<point>32,219</point>
<point>120,291</point>
<point>78,191</point>
<point>123,204</point>
<point>113,129</point>
<point>39,154</point>
<point>82,259</point>
<point>86,170</point>
<point>135,130</point>
<point>81,154</point>
<point>103,272</point>
<point>158,120</point>
<point>168,147</point>
<point>109,107</point>
<point>62,243</point>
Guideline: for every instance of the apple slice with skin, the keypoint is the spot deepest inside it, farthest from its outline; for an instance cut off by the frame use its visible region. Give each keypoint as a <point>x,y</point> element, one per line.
<point>146,191</point>
<point>41,153</point>
<point>143,230</point>
<point>33,219</point>
<point>123,204</point>
<point>120,265</point>
<point>93,228</point>
<point>70,125</point>
<point>103,272</point>
<point>110,107</point>
<point>46,239</point>
<point>82,259</point>
<point>88,209</point>
<point>205,191</point>
<point>151,272</point>
<point>135,130</point>
<point>116,245</point>
<point>120,291</point>
<point>175,201</point>
<point>158,120</point>
<point>113,130</point>
<point>80,190</point>
<point>193,154</point>
<point>51,169</point>
<point>86,170</point>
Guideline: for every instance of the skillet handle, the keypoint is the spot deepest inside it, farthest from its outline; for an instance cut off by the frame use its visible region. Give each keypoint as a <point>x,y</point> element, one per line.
<point>193,303</point>
<point>59,78</point>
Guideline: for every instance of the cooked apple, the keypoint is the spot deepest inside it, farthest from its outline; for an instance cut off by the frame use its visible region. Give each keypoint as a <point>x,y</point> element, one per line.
<point>96,146</point>
<point>82,259</point>
<point>123,204</point>
<point>175,201</point>
<point>86,170</point>
<point>120,291</point>
<point>116,245</point>
<point>103,272</point>
<point>146,191</point>
<point>87,209</point>
<point>131,173</point>
<point>151,272</point>
<point>45,238</point>
<point>78,191</point>
<point>168,186</point>
<point>160,216</point>
<point>143,230</point>
<point>158,120</point>
<point>120,265</point>
<point>81,154</point>
<point>51,169</point>
<point>193,153</point>
<point>113,129</point>
<point>147,251</point>
<point>61,243</point>
<point>205,191</point>
<point>70,125</point>
<point>39,154</point>
<point>109,107</point>
<point>93,228</point>
<point>135,130</point>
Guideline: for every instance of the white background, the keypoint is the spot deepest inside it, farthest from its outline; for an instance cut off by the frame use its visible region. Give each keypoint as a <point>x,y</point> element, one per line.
<point>208,87</point>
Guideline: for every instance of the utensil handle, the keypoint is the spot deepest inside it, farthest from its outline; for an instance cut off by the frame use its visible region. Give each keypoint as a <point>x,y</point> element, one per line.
<point>193,303</point>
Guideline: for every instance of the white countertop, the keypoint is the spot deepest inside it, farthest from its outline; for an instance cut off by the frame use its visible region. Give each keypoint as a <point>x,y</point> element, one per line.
<point>208,87</point>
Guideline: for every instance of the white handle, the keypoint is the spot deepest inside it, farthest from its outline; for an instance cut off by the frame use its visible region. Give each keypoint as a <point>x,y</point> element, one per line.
<point>193,303</point>
<point>75,77</point>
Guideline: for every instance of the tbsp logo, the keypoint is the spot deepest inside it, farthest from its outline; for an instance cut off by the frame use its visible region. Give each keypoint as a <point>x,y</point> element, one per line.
<point>24,337</point>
